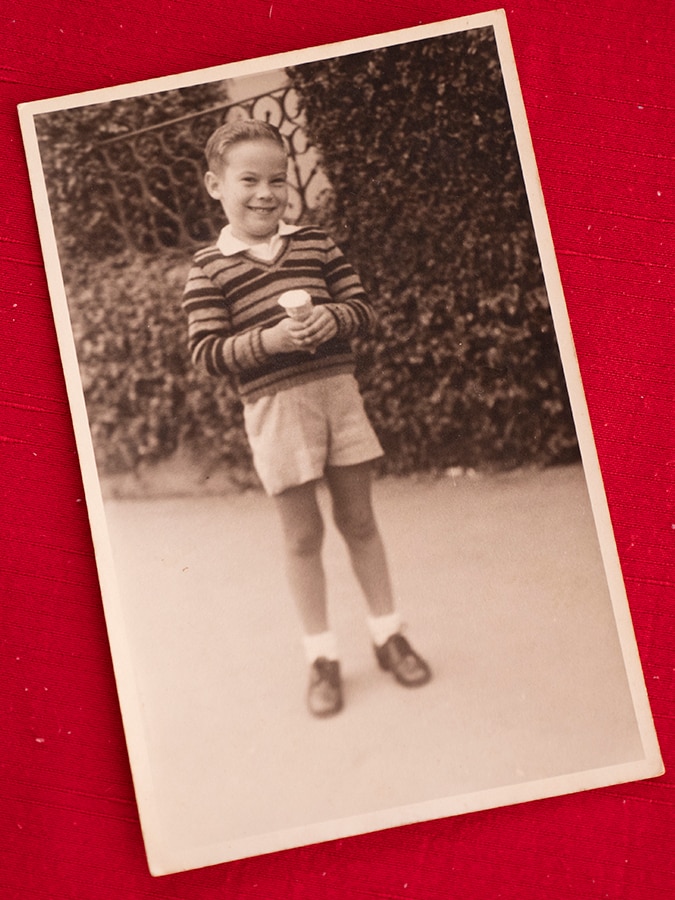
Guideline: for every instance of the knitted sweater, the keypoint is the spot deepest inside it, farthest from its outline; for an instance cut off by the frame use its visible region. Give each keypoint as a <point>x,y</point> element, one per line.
<point>229,300</point>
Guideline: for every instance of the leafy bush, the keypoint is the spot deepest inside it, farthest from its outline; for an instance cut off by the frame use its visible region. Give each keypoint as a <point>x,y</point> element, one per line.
<point>144,398</point>
<point>430,206</point>
<point>99,204</point>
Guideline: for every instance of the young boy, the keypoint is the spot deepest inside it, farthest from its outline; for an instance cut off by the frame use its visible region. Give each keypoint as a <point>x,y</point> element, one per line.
<point>303,412</point>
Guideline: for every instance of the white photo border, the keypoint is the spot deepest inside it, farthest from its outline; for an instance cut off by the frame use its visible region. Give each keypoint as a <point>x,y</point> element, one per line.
<point>152,825</point>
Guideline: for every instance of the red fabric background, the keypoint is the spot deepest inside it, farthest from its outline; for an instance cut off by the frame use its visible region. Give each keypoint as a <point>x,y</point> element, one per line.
<point>599,85</point>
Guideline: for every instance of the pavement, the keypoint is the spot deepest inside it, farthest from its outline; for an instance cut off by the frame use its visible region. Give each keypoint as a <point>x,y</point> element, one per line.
<point>501,584</point>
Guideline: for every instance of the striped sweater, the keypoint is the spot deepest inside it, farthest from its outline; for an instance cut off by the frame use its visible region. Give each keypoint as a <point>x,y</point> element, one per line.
<point>229,300</point>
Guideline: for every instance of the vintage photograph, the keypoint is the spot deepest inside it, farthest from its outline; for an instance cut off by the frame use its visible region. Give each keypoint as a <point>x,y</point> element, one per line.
<point>354,551</point>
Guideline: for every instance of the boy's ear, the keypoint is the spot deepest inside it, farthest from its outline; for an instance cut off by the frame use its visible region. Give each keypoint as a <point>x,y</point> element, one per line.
<point>212,183</point>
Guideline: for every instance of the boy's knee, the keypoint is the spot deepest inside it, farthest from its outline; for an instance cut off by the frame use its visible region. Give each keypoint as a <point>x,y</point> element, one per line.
<point>305,541</point>
<point>355,526</point>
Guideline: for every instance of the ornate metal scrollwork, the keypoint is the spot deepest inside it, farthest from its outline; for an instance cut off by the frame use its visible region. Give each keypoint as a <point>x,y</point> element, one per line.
<point>153,178</point>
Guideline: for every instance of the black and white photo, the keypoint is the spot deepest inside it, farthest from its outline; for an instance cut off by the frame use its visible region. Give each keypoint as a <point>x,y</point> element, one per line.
<point>354,550</point>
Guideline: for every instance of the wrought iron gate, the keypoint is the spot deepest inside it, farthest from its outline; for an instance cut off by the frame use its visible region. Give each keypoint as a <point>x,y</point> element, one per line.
<point>153,178</point>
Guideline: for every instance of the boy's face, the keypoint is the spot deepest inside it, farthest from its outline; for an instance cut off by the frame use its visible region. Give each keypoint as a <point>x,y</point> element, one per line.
<point>252,188</point>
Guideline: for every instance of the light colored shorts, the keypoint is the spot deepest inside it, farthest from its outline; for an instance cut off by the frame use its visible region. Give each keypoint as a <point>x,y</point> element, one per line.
<point>296,433</point>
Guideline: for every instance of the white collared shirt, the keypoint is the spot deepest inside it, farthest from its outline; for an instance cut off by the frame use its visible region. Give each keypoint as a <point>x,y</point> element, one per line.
<point>228,244</point>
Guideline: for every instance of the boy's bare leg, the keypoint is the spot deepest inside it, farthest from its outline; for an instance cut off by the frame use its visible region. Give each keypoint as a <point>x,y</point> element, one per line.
<point>302,525</point>
<point>303,536</point>
<point>350,489</point>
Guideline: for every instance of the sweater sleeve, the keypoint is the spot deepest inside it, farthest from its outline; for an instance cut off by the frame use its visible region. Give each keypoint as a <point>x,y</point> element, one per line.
<point>349,304</point>
<point>212,344</point>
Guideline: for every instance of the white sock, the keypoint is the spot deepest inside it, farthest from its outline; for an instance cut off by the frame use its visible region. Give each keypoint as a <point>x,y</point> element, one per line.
<point>317,645</point>
<point>382,627</point>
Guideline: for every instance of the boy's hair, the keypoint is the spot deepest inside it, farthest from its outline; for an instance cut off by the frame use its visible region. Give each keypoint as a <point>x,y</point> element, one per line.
<point>232,133</point>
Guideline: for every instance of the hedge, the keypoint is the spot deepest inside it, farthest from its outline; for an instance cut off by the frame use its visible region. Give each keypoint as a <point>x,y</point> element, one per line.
<point>82,189</point>
<point>144,398</point>
<point>430,206</point>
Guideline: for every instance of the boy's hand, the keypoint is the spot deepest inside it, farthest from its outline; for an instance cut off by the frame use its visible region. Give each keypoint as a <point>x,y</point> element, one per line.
<point>281,338</point>
<point>319,326</point>
<point>289,335</point>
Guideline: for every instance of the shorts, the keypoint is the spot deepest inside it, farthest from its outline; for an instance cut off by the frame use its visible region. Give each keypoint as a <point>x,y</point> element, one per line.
<point>296,433</point>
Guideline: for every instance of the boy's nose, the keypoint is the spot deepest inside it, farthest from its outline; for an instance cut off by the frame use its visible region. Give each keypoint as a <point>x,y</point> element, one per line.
<point>264,189</point>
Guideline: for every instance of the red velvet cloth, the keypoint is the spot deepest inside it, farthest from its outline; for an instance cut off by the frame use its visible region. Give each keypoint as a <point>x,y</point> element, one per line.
<point>599,85</point>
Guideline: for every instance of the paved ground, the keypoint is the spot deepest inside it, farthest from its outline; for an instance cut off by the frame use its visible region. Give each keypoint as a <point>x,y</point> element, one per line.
<point>501,584</point>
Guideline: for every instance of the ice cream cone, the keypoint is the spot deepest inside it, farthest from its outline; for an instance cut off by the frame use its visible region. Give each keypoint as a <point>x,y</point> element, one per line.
<point>297,303</point>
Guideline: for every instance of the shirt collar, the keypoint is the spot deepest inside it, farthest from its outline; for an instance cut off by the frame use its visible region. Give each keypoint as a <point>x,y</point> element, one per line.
<point>228,244</point>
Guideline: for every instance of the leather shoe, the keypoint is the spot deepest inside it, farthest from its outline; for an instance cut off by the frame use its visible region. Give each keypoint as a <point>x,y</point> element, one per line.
<point>398,657</point>
<point>324,694</point>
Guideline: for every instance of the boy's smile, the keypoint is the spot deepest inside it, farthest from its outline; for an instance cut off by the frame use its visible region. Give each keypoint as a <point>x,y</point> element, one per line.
<point>252,188</point>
